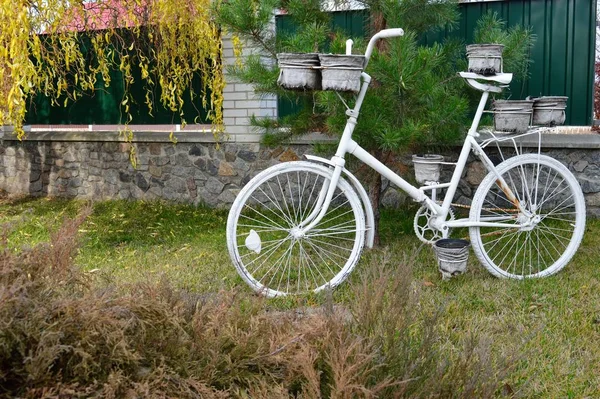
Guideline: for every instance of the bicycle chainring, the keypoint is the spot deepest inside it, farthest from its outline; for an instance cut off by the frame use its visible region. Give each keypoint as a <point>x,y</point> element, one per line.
<point>423,230</point>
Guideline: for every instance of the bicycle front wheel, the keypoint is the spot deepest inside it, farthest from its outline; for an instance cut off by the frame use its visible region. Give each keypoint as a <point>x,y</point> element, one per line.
<point>261,235</point>
<point>543,233</point>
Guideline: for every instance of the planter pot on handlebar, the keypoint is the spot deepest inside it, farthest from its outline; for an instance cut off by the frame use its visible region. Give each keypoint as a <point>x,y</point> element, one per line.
<point>341,72</point>
<point>299,71</point>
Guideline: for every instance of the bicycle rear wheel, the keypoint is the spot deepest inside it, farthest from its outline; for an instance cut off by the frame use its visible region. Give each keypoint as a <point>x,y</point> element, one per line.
<point>262,222</point>
<point>538,240</point>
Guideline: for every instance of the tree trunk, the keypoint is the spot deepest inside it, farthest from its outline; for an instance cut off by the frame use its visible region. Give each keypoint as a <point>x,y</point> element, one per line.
<point>375,197</point>
<point>374,185</point>
<point>378,23</point>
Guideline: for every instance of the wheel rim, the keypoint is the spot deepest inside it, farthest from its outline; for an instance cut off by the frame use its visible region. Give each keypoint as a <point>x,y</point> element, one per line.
<point>549,236</point>
<point>269,253</point>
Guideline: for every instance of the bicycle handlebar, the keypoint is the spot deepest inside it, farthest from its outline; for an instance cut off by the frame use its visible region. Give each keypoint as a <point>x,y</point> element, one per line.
<point>384,34</point>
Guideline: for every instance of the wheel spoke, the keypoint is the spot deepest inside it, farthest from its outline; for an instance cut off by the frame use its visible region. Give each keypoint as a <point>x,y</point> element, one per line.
<point>275,202</point>
<point>542,240</point>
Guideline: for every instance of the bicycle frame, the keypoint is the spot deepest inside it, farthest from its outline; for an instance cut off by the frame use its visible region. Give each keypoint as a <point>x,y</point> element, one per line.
<point>348,145</point>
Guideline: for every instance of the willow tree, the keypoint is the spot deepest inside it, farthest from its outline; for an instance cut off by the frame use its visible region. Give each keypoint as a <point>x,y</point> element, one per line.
<point>65,49</point>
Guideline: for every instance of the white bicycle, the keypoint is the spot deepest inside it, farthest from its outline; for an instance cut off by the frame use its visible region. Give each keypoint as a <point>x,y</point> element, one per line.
<point>301,226</point>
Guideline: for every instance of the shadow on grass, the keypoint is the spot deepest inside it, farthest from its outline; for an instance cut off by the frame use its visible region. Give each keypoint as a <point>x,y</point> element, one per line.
<point>141,224</point>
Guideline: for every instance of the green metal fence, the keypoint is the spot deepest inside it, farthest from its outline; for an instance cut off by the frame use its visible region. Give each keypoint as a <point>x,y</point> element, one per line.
<point>563,63</point>
<point>563,55</point>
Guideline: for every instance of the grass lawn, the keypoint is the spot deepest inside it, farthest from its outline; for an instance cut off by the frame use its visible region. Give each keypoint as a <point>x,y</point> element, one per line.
<point>553,323</point>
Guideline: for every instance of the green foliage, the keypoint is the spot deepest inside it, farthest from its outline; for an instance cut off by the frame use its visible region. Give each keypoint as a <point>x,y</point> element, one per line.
<point>63,50</point>
<point>416,15</point>
<point>415,98</point>
<point>249,19</point>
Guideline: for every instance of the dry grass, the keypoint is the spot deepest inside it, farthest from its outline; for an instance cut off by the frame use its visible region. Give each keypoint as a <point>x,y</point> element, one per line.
<point>64,334</point>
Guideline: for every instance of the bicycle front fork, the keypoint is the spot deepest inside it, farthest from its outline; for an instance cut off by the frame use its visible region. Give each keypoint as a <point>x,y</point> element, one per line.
<point>323,202</point>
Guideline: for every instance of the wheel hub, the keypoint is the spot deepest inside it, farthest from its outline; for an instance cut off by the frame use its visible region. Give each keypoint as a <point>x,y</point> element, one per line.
<point>528,223</point>
<point>296,233</point>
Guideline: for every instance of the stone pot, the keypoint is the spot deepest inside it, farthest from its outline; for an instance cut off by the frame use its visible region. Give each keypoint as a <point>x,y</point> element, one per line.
<point>512,115</point>
<point>485,59</point>
<point>341,72</point>
<point>427,167</point>
<point>452,256</point>
<point>299,71</point>
<point>549,110</point>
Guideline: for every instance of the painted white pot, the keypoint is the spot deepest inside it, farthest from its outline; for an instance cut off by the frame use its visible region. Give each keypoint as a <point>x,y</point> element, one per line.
<point>427,167</point>
<point>485,59</point>
<point>299,71</point>
<point>549,110</point>
<point>341,72</point>
<point>452,256</point>
<point>512,115</point>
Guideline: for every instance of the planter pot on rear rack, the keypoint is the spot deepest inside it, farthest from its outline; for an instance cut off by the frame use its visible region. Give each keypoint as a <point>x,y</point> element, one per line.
<point>485,59</point>
<point>549,111</point>
<point>341,72</point>
<point>299,71</point>
<point>452,256</point>
<point>427,167</point>
<point>512,115</point>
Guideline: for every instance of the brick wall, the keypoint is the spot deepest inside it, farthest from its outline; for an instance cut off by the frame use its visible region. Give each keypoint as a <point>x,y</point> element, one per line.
<point>239,100</point>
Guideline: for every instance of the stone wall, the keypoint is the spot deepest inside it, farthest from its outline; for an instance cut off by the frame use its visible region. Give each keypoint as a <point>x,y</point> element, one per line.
<point>186,172</point>
<point>195,172</point>
<point>190,172</point>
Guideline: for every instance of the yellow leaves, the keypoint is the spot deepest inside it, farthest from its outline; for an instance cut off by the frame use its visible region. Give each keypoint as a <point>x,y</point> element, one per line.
<point>144,70</point>
<point>133,157</point>
<point>182,42</point>
<point>237,49</point>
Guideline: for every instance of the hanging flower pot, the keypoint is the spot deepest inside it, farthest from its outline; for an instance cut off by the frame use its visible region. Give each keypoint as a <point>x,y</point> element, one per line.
<point>512,115</point>
<point>341,72</point>
<point>299,71</point>
<point>485,59</point>
<point>427,167</point>
<point>549,110</point>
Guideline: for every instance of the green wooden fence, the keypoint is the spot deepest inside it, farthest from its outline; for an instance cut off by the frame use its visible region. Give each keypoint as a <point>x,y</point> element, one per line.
<point>563,55</point>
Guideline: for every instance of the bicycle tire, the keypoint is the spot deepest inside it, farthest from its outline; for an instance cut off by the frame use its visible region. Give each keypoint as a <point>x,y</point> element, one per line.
<point>265,253</point>
<point>551,195</point>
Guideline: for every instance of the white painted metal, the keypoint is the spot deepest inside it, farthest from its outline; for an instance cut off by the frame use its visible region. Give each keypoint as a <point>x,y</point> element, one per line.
<point>369,214</point>
<point>533,244</point>
<point>349,44</point>
<point>423,228</point>
<point>269,209</point>
<point>384,34</point>
<point>299,226</point>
